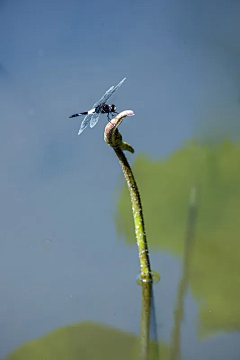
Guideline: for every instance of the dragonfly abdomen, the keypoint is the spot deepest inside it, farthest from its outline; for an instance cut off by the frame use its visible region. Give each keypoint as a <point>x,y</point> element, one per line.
<point>79,114</point>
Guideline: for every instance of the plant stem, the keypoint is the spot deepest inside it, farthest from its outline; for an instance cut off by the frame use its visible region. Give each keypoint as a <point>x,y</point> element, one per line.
<point>114,139</point>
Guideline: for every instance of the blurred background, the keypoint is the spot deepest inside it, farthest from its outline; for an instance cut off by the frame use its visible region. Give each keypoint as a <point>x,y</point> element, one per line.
<point>68,255</point>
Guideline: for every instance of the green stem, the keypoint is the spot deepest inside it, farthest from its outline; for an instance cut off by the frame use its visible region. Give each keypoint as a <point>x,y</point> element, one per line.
<point>114,139</point>
<point>146,317</point>
<point>183,286</point>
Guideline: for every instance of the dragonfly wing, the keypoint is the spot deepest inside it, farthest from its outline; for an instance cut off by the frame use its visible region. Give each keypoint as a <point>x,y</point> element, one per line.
<point>109,93</point>
<point>94,119</point>
<point>85,123</point>
<point>103,97</point>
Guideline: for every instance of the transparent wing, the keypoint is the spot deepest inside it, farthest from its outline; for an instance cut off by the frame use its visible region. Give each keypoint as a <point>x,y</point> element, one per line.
<point>85,123</point>
<point>94,119</point>
<point>108,93</point>
<point>103,97</point>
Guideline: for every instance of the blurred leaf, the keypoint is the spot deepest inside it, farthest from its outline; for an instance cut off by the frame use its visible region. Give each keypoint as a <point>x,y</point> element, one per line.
<point>87,341</point>
<point>165,188</point>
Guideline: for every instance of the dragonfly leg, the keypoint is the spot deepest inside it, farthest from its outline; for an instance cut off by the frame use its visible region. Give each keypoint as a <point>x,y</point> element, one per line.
<point>109,118</point>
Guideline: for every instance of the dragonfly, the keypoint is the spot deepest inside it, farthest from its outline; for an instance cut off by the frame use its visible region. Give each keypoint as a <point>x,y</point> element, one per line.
<point>100,107</point>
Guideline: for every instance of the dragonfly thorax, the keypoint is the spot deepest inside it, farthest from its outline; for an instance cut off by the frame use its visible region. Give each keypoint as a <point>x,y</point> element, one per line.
<point>105,109</point>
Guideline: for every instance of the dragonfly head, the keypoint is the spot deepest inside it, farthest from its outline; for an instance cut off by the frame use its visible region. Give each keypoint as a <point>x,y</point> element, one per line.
<point>113,108</point>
